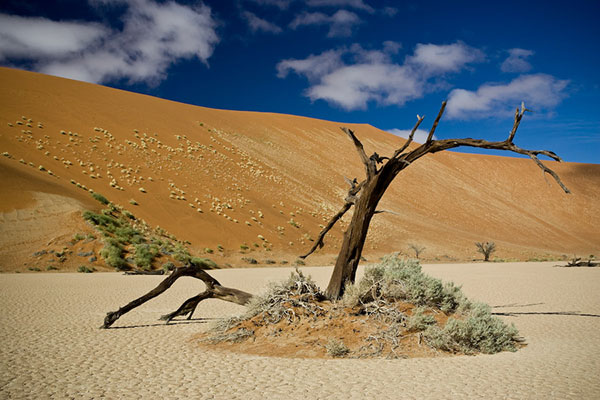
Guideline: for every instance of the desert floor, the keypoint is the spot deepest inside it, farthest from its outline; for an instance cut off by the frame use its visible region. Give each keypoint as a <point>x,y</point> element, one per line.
<point>51,346</point>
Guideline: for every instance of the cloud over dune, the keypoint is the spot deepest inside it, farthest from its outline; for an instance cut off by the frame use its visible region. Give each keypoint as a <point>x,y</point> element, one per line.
<point>540,92</point>
<point>371,75</point>
<point>153,37</point>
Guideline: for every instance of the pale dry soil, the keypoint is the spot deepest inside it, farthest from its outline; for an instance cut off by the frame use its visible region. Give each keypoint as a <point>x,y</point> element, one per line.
<point>51,346</point>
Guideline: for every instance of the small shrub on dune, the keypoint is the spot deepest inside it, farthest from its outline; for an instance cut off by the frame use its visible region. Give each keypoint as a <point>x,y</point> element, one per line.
<point>203,263</point>
<point>336,348</point>
<point>100,198</point>
<point>113,254</point>
<point>84,269</point>
<point>144,254</point>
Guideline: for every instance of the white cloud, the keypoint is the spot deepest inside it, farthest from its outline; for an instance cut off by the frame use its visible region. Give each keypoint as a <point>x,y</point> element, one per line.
<point>313,67</point>
<point>26,37</point>
<point>340,24</point>
<point>516,61</point>
<point>540,92</point>
<point>445,58</point>
<point>419,137</point>
<point>154,36</point>
<point>352,87</point>
<point>374,77</point>
<point>258,24</point>
<point>357,4</point>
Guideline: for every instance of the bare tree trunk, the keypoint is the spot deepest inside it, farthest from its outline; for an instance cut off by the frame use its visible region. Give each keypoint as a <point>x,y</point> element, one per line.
<point>366,194</point>
<point>354,240</point>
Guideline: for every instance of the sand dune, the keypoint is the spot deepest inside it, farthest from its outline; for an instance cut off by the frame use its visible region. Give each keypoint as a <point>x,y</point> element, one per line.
<point>52,347</point>
<point>217,177</point>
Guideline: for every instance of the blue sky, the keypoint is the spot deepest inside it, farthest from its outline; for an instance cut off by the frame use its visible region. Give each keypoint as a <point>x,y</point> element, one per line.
<point>369,61</point>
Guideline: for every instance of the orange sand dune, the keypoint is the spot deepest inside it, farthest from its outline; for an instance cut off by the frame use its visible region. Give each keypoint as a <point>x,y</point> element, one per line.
<point>228,178</point>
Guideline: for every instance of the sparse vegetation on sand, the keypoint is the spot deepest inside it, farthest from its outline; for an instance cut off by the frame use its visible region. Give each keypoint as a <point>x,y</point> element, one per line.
<point>123,235</point>
<point>395,310</point>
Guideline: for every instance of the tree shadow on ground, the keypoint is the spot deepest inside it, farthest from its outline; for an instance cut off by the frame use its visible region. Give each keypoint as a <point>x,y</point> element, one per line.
<point>172,322</point>
<point>518,313</point>
<point>571,313</point>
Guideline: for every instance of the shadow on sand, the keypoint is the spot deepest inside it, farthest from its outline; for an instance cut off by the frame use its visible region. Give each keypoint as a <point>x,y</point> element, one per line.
<point>172,322</point>
<point>517,313</point>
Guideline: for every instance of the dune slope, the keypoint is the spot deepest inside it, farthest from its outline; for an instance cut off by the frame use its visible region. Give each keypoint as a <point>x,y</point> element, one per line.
<point>267,181</point>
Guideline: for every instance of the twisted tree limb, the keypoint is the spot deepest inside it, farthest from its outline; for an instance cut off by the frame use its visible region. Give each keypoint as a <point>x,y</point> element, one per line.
<point>349,202</point>
<point>214,289</point>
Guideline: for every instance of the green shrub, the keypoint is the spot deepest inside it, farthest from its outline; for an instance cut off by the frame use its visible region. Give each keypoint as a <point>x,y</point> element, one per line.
<point>208,250</point>
<point>84,269</point>
<point>168,266</point>
<point>419,321</point>
<point>35,269</point>
<point>78,236</point>
<point>103,221</point>
<point>51,268</point>
<point>181,253</point>
<point>399,279</point>
<point>203,263</point>
<point>472,328</point>
<point>144,254</point>
<point>100,198</point>
<point>113,254</point>
<point>479,332</point>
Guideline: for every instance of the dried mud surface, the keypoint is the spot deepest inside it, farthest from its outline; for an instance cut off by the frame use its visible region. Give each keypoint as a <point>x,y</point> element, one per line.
<point>52,347</point>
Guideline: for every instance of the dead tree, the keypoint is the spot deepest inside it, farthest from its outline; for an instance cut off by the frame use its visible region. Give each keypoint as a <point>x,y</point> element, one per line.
<point>214,290</point>
<point>381,171</point>
<point>364,196</point>
<point>486,249</point>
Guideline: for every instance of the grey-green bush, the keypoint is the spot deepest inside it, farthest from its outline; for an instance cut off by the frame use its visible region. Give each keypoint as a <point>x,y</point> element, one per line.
<point>479,332</point>
<point>400,279</point>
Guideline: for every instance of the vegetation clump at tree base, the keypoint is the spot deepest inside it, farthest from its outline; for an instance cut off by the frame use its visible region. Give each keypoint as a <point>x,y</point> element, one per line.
<point>394,311</point>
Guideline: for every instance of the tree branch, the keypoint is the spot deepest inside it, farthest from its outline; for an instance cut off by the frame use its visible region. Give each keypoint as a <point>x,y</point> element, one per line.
<point>410,137</point>
<point>370,167</point>
<point>440,145</point>
<point>213,290</point>
<point>513,131</point>
<point>349,202</point>
<point>386,211</point>
<point>549,171</point>
<point>435,123</point>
